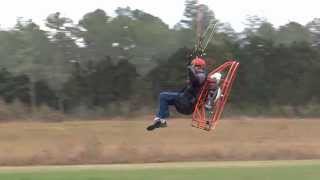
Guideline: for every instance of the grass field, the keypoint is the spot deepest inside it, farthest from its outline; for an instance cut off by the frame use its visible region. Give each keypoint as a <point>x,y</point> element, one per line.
<point>127,141</point>
<point>259,170</point>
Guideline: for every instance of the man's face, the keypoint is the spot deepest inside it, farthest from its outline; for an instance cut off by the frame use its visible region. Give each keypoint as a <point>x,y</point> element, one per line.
<point>197,68</point>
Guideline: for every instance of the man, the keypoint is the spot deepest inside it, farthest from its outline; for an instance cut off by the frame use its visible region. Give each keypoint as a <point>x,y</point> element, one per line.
<point>185,100</point>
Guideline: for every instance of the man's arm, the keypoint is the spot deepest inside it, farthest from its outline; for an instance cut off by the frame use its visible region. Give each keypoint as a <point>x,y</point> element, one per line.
<point>194,77</point>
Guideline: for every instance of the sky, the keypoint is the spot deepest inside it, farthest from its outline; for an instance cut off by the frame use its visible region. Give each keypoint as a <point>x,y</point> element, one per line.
<point>278,12</point>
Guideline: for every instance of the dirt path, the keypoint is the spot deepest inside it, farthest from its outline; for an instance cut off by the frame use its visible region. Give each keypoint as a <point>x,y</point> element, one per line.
<point>220,164</point>
<point>121,141</point>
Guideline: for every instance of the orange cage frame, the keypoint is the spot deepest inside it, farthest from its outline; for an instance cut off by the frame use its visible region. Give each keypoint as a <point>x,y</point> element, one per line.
<point>199,119</point>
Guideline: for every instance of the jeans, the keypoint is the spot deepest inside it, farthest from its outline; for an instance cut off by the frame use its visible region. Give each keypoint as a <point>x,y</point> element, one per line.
<point>166,99</point>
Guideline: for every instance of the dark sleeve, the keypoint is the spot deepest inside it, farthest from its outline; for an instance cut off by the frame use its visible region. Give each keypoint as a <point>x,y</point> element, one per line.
<point>196,79</point>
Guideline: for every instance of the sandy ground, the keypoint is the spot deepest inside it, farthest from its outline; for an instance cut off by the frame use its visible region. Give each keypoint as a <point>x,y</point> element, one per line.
<point>126,141</point>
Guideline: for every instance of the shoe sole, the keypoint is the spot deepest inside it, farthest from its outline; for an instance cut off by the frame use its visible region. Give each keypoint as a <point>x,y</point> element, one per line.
<point>151,128</point>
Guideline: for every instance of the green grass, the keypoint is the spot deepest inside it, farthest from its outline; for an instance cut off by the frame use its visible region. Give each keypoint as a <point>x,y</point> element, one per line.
<point>283,172</point>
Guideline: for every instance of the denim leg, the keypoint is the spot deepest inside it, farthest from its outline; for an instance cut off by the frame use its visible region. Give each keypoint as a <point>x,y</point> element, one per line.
<point>166,99</point>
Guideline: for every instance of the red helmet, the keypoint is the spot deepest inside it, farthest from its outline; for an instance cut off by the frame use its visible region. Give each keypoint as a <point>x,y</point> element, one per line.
<point>198,62</point>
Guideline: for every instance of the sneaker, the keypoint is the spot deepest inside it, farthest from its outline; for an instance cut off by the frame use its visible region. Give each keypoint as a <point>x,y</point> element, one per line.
<point>163,124</point>
<point>157,124</point>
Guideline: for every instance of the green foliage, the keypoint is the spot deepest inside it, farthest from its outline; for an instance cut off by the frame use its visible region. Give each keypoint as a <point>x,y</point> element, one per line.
<point>314,28</point>
<point>100,84</point>
<point>14,87</point>
<point>293,33</point>
<point>170,74</point>
<point>17,88</point>
<point>66,67</point>
<point>45,95</point>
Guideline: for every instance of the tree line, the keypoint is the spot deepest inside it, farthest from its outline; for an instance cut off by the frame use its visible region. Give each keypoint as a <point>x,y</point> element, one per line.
<point>120,64</point>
